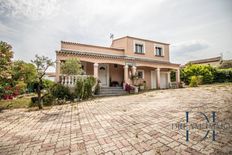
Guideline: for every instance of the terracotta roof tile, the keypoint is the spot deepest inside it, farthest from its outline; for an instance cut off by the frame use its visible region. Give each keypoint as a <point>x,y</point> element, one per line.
<point>111,56</point>
<point>75,43</point>
<point>206,60</point>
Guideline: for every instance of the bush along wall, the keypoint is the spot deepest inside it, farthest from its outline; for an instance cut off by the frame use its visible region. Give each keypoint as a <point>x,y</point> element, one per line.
<point>58,93</point>
<point>61,92</point>
<point>84,87</point>
<point>204,74</point>
<point>223,75</point>
<point>206,71</point>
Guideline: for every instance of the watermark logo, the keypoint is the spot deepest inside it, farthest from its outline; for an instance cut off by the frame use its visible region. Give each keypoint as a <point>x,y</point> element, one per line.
<point>208,125</point>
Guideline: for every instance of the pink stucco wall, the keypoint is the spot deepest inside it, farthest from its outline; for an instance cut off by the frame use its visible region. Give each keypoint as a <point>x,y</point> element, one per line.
<point>127,43</point>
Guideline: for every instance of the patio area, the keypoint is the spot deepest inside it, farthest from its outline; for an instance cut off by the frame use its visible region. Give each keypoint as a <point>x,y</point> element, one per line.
<point>132,124</point>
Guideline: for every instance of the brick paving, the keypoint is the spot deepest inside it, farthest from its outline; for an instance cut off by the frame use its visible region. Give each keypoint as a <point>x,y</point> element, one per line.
<point>134,124</point>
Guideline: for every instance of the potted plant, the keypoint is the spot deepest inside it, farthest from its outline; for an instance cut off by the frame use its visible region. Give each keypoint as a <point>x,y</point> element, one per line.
<point>142,85</point>
<point>129,88</point>
<point>134,78</point>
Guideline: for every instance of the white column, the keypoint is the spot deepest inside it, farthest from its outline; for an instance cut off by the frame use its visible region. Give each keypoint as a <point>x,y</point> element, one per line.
<point>126,73</point>
<point>169,79</point>
<point>178,77</point>
<point>95,70</point>
<point>68,80</point>
<point>133,70</point>
<point>57,70</point>
<point>71,82</point>
<point>62,79</point>
<point>158,78</point>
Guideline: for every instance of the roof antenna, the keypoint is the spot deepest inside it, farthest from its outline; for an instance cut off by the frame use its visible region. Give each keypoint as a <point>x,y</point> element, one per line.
<point>112,36</point>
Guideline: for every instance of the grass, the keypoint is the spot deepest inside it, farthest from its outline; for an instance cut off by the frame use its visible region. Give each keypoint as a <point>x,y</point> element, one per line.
<point>15,103</point>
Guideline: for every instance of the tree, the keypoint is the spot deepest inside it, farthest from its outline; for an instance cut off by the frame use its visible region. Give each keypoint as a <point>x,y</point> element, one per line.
<point>22,71</point>
<point>42,63</point>
<point>71,67</point>
<point>6,54</point>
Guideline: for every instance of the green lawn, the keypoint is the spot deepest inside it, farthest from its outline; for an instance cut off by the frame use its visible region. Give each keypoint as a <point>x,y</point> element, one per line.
<point>15,103</point>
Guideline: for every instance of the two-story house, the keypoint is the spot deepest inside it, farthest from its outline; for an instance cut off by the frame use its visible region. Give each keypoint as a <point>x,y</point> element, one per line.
<point>127,56</point>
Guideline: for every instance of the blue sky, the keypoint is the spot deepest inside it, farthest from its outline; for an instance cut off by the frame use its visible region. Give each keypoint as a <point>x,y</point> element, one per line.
<point>195,29</point>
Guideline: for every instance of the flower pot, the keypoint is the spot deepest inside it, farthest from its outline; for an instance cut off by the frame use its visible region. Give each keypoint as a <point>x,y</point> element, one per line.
<point>136,90</point>
<point>141,87</point>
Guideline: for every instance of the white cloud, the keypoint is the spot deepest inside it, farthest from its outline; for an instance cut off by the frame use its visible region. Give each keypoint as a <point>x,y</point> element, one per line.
<point>33,9</point>
<point>190,46</point>
<point>6,30</point>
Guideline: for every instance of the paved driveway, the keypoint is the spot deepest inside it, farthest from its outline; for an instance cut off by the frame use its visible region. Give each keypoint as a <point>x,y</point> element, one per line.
<point>135,124</point>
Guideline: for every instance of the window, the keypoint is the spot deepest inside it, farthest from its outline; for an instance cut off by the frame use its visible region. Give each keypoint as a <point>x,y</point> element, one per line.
<point>158,51</point>
<point>140,74</point>
<point>139,48</point>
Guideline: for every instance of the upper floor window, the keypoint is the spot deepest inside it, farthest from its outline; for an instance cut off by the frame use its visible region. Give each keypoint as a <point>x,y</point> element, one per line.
<point>159,51</point>
<point>139,48</point>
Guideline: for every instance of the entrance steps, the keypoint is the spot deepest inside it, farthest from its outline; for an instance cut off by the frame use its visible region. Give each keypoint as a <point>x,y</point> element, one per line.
<point>112,91</point>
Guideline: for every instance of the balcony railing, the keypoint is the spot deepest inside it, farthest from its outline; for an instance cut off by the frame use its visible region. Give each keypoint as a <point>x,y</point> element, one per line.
<point>70,80</point>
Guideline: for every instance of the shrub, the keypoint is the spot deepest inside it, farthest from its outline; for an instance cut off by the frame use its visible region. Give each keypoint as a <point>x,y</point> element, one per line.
<point>84,87</point>
<point>34,101</point>
<point>206,71</point>
<point>31,87</point>
<point>21,87</point>
<point>7,92</point>
<point>47,84</point>
<point>200,80</point>
<point>173,76</point>
<point>97,89</point>
<point>223,75</point>
<point>48,100</point>
<point>195,81</point>
<point>1,92</point>
<point>61,92</point>
<point>79,88</point>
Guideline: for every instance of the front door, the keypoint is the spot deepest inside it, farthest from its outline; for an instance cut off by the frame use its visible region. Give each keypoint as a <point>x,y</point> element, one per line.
<point>102,73</point>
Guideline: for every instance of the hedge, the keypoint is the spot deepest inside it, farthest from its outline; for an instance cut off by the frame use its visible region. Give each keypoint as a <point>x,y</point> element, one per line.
<point>223,75</point>
<point>207,73</point>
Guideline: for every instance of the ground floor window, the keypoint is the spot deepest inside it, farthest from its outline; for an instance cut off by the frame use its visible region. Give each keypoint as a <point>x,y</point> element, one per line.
<point>140,74</point>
